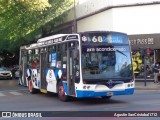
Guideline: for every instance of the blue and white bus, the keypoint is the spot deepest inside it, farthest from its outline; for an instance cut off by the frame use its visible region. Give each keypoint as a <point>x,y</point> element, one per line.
<point>81,65</point>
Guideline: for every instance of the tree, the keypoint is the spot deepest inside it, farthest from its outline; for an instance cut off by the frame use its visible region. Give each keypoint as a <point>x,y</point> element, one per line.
<point>19,18</point>
<point>22,20</point>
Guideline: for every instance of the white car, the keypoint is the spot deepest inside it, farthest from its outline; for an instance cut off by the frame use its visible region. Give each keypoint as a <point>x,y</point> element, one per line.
<point>5,73</point>
<point>17,74</point>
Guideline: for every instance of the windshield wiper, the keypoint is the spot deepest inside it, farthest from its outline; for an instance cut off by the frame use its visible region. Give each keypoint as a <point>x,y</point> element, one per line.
<point>121,53</point>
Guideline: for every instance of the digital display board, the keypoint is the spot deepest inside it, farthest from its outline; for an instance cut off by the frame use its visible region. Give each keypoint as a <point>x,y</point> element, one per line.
<point>115,38</point>
<point>50,41</point>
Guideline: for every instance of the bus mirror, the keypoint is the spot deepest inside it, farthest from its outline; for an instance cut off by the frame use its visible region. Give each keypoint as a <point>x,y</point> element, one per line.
<point>76,54</point>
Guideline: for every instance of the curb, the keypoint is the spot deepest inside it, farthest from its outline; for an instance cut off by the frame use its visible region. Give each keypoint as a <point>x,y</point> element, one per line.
<point>144,80</point>
<point>147,88</point>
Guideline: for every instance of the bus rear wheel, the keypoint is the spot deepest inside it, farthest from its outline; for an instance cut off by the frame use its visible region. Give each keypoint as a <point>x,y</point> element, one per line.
<point>61,92</point>
<point>31,89</point>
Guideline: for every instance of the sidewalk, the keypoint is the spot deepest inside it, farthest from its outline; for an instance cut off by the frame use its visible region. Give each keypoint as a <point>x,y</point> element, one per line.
<point>150,85</point>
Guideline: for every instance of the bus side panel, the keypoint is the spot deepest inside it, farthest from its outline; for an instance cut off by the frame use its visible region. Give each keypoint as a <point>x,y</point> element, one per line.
<point>65,88</point>
<point>28,75</point>
<point>52,76</point>
<point>51,80</point>
<point>36,78</point>
<point>34,75</point>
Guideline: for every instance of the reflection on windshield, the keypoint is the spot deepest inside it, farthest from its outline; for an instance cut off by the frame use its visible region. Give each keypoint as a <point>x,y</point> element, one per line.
<point>101,62</point>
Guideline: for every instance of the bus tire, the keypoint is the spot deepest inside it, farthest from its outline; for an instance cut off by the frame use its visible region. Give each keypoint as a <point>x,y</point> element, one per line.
<point>31,89</point>
<point>61,92</point>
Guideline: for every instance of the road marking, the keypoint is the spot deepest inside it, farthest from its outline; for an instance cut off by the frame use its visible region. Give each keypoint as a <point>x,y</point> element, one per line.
<point>13,90</point>
<point>114,107</point>
<point>15,93</point>
<point>1,94</point>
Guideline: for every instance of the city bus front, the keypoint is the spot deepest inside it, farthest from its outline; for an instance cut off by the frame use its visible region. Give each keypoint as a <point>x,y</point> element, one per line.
<point>106,65</point>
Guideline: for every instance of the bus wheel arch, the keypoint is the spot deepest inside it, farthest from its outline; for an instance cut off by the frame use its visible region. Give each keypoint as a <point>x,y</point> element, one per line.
<point>61,91</point>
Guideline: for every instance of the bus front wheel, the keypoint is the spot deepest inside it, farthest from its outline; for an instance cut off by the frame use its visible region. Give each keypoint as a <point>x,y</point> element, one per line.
<point>61,92</point>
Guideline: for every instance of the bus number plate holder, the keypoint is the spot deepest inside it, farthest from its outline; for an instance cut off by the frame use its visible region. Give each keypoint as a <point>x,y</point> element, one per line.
<point>109,93</point>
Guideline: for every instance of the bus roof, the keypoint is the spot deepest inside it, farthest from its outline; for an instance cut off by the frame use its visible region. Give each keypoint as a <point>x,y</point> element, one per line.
<point>61,35</point>
<point>102,31</point>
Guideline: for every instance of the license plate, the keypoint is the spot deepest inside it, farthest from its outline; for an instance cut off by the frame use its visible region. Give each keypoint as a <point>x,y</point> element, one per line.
<point>109,93</point>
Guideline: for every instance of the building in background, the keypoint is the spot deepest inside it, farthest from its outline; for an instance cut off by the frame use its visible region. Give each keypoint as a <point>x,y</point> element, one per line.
<point>151,44</point>
<point>140,19</point>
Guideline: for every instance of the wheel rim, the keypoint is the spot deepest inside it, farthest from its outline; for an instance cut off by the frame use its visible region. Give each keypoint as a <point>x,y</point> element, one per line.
<point>61,91</point>
<point>30,86</point>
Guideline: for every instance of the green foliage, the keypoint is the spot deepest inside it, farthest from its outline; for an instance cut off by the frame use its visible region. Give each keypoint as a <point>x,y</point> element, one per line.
<point>22,20</point>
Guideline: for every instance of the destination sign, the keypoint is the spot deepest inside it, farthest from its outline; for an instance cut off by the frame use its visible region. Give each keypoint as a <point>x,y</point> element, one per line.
<point>107,38</point>
<point>58,40</point>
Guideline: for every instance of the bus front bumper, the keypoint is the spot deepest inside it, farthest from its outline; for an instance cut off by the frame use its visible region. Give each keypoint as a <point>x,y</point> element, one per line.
<point>82,93</point>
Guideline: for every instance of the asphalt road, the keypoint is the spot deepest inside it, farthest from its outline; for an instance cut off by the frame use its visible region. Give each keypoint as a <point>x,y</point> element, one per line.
<point>17,98</point>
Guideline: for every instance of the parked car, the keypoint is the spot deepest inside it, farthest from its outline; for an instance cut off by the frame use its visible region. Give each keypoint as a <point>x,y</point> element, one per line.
<point>17,74</point>
<point>14,69</point>
<point>5,73</point>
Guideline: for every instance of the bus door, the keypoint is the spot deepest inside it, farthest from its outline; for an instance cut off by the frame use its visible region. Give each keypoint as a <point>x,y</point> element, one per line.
<point>24,67</point>
<point>71,71</point>
<point>43,67</point>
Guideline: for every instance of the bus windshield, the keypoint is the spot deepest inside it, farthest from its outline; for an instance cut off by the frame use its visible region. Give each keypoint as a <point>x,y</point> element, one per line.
<point>106,61</point>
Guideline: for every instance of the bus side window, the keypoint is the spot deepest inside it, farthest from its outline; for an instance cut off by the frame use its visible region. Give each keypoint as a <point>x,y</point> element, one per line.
<point>61,54</point>
<point>35,60</point>
<point>29,57</point>
<point>52,56</point>
<point>58,62</point>
<point>64,55</point>
<point>76,55</point>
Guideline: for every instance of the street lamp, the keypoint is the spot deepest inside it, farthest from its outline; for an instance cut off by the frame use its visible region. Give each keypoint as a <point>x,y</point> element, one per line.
<point>74,21</point>
<point>144,53</point>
